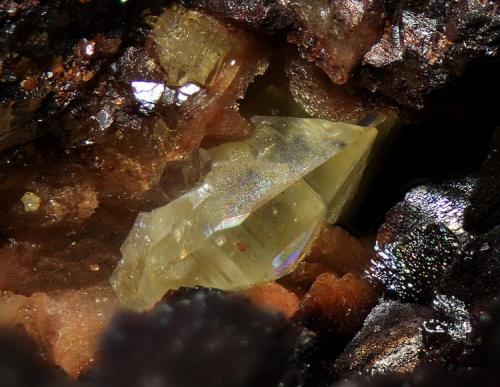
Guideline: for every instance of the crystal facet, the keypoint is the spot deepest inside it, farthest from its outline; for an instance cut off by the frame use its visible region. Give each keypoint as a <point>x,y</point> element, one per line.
<point>254,216</point>
<point>191,47</point>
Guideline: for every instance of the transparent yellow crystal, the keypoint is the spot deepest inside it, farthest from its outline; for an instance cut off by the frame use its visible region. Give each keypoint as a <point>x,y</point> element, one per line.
<point>191,46</point>
<point>255,215</point>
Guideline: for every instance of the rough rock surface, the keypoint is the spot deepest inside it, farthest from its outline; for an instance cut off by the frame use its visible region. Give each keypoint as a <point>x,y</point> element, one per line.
<point>424,255</point>
<point>337,305</point>
<point>390,341</point>
<point>66,326</point>
<point>337,34</point>
<point>426,44</point>
<point>274,296</point>
<point>404,50</point>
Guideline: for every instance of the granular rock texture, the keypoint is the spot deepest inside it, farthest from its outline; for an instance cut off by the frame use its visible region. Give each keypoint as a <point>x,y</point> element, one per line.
<point>274,296</point>
<point>473,277</point>
<point>49,55</point>
<point>65,325</point>
<point>412,266</point>
<point>334,251</point>
<point>423,248</point>
<point>337,305</point>
<point>271,16</point>
<point>340,252</point>
<point>337,34</point>
<point>484,373</point>
<point>315,93</point>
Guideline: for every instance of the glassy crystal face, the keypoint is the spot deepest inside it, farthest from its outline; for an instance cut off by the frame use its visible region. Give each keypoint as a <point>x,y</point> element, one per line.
<point>255,215</point>
<point>191,47</point>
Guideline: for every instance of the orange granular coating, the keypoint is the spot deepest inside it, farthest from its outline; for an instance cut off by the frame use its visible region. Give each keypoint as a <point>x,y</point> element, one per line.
<point>338,304</point>
<point>274,296</point>
<point>65,325</point>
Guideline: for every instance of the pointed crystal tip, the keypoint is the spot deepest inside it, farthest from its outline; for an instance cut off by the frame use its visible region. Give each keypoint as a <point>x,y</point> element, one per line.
<point>255,215</point>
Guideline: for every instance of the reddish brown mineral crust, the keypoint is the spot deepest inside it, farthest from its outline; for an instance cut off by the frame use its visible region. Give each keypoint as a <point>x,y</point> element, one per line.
<point>327,282</point>
<point>56,76</point>
<point>229,125</point>
<point>334,251</point>
<point>337,34</point>
<point>319,97</point>
<point>65,325</point>
<point>27,268</point>
<point>303,276</point>
<point>340,252</point>
<point>338,304</point>
<point>274,296</point>
<point>316,94</point>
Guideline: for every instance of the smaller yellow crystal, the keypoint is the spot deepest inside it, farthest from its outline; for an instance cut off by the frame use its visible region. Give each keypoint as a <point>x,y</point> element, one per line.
<point>254,216</point>
<point>191,46</point>
<point>31,202</point>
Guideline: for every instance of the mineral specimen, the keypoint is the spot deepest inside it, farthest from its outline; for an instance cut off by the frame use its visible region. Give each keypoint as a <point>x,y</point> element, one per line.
<point>340,252</point>
<point>255,215</point>
<point>102,117</point>
<point>479,263</point>
<point>483,373</point>
<point>271,16</point>
<point>49,55</point>
<point>334,251</point>
<point>69,200</point>
<point>314,92</point>
<point>176,47</point>
<point>334,34</point>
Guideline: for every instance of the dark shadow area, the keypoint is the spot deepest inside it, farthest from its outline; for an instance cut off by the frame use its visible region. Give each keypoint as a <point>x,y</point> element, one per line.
<point>451,137</point>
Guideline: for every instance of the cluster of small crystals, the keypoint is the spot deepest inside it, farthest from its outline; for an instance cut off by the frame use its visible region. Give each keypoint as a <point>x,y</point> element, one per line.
<point>254,216</point>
